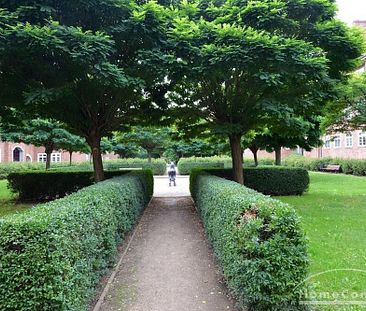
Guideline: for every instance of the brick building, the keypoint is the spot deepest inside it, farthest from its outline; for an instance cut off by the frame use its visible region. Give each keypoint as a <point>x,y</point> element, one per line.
<point>14,152</point>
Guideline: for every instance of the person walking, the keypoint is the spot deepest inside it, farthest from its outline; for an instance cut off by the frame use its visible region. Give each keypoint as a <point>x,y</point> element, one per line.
<point>172,173</point>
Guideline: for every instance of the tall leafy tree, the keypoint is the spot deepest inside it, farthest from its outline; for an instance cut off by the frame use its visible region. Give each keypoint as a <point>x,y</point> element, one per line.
<point>73,143</point>
<point>245,62</point>
<point>80,62</point>
<point>291,132</point>
<point>49,134</point>
<point>348,111</point>
<point>153,139</point>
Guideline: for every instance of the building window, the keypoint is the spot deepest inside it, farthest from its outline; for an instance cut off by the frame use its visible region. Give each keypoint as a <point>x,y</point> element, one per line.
<point>327,142</point>
<point>349,140</point>
<point>362,139</point>
<point>18,154</point>
<point>337,141</point>
<point>56,157</point>
<point>41,157</point>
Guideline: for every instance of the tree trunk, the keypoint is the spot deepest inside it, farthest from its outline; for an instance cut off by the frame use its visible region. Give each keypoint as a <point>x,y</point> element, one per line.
<point>237,158</point>
<point>48,159</point>
<point>278,155</point>
<point>255,155</point>
<point>70,153</point>
<point>149,157</point>
<point>48,151</point>
<point>94,143</point>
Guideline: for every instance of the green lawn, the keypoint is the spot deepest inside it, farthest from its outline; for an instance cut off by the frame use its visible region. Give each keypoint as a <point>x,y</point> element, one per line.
<point>7,201</point>
<point>334,217</point>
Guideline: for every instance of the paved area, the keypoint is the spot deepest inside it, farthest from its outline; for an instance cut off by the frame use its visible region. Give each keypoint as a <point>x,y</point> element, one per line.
<point>169,265</point>
<point>162,189</point>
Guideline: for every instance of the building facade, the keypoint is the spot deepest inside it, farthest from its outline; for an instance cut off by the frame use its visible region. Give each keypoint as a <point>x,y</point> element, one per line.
<point>19,152</point>
<point>351,145</point>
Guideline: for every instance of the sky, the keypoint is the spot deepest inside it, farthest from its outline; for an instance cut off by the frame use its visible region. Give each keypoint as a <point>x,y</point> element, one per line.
<point>350,10</point>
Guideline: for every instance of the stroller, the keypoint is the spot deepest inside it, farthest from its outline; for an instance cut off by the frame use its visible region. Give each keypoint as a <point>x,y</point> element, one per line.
<point>172,173</point>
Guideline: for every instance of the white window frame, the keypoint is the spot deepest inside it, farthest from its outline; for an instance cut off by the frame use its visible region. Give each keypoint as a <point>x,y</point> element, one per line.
<point>337,141</point>
<point>349,140</point>
<point>21,156</point>
<point>56,157</point>
<point>362,139</point>
<point>41,157</point>
<point>327,142</point>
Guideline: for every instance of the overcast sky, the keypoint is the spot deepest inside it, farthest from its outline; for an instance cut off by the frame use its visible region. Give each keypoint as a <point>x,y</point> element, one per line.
<point>350,10</point>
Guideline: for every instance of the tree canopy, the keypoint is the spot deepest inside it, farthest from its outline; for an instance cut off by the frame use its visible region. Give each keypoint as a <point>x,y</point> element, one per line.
<point>247,63</point>
<point>229,66</point>
<point>79,62</point>
<point>348,111</point>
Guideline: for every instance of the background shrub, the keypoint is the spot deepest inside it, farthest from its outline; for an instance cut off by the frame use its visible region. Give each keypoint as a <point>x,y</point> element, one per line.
<point>48,185</point>
<point>185,165</point>
<point>52,256</point>
<point>158,166</point>
<point>348,166</point>
<point>271,180</point>
<point>257,240</point>
<point>8,168</point>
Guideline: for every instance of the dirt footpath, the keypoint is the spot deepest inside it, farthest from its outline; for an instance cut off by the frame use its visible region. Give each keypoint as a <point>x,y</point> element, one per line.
<point>169,265</point>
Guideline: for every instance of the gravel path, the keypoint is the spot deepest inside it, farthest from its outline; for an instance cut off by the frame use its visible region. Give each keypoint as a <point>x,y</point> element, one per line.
<point>162,189</point>
<point>169,266</point>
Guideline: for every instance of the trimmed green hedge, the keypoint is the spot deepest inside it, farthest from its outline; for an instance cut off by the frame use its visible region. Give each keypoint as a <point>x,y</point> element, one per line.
<point>158,166</point>
<point>258,241</point>
<point>348,166</point>
<point>48,185</point>
<point>270,180</point>
<point>52,256</point>
<point>9,168</point>
<point>185,165</point>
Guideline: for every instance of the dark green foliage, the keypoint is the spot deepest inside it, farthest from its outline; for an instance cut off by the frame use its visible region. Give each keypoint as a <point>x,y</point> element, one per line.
<point>185,165</point>
<point>8,168</point>
<point>271,180</point>
<point>258,242</point>
<point>348,166</point>
<point>52,256</point>
<point>46,186</point>
<point>158,166</point>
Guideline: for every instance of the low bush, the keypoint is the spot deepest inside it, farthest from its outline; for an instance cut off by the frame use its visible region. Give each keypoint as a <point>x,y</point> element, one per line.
<point>52,256</point>
<point>48,185</point>
<point>348,166</point>
<point>158,166</point>
<point>310,164</point>
<point>185,165</point>
<point>258,242</point>
<point>271,180</point>
<point>8,168</point>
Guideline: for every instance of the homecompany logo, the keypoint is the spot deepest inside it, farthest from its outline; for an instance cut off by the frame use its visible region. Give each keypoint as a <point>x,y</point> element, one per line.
<point>344,297</point>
